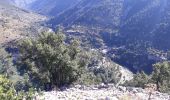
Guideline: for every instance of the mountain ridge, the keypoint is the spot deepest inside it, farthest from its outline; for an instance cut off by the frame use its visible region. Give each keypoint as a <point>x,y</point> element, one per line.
<point>51,7</point>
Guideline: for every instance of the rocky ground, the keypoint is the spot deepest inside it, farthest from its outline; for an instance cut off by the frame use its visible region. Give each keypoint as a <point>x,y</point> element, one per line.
<point>103,93</point>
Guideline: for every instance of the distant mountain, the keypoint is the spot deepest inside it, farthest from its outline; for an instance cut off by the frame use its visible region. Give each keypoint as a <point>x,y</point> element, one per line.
<point>52,7</point>
<point>143,19</point>
<point>92,13</point>
<point>137,25</point>
<point>16,23</point>
<point>130,19</point>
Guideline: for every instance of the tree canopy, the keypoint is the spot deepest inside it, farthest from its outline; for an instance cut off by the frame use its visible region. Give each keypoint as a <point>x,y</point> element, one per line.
<point>161,76</point>
<point>49,59</point>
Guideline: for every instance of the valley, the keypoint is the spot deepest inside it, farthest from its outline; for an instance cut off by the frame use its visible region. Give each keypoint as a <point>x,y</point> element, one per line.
<point>136,26</point>
<point>66,49</point>
<point>136,30</point>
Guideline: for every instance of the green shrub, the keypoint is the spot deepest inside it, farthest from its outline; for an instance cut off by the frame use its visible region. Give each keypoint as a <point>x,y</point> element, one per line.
<point>51,60</point>
<point>139,80</point>
<point>161,76</point>
<point>109,74</point>
<point>99,69</point>
<point>89,79</point>
<point>7,91</point>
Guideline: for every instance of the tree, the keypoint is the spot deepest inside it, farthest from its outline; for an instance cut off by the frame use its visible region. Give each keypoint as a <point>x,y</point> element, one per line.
<point>161,76</point>
<point>49,59</point>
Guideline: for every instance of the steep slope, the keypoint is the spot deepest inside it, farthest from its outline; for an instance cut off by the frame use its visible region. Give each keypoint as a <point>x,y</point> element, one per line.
<point>92,13</point>
<point>17,23</point>
<point>139,28</point>
<point>93,17</point>
<point>161,38</point>
<point>140,32</point>
<point>51,7</point>
<point>115,16</point>
<point>142,18</point>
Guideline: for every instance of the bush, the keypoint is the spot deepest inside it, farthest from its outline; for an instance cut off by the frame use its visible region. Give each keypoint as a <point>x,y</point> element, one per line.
<point>50,60</point>
<point>100,69</point>
<point>7,91</point>
<point>139,80</point>
<point>89,79</point>
<point>161,76</point>
<point>7,67</point>
<point>108,74</point>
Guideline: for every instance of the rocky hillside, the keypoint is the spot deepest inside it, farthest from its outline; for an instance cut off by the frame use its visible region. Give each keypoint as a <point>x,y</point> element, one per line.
<point>51,7</point>
<point>138,31</point>
<point>91,14</point>
<point>103,93</point>
<point>16,23</point>
<point>127,21</point>
<point>137,26</point>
